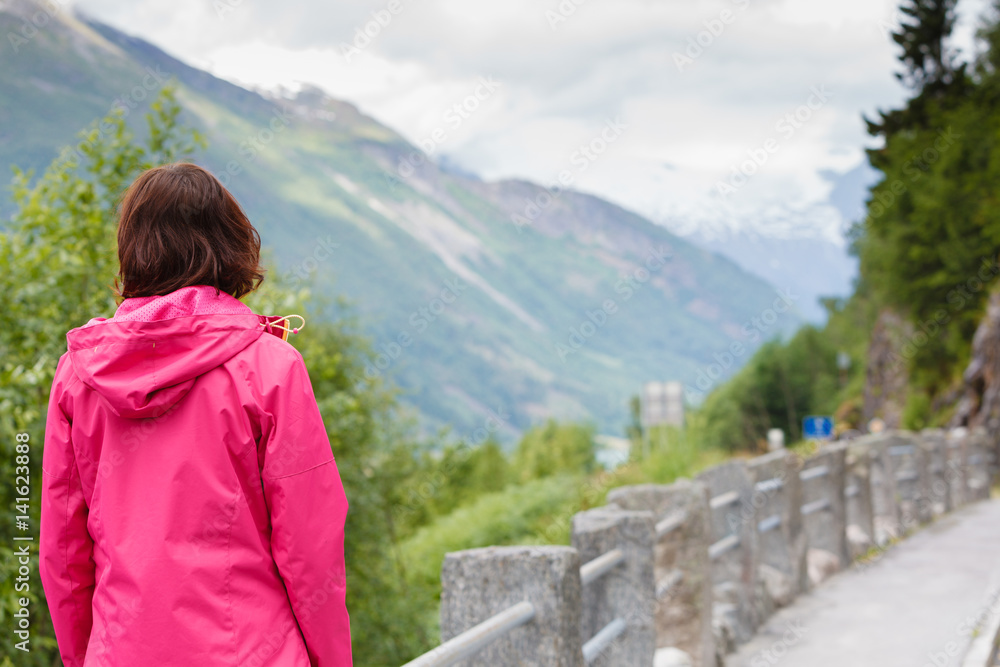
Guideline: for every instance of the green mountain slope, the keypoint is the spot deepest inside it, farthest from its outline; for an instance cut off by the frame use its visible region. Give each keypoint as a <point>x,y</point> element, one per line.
<point>566,315</point>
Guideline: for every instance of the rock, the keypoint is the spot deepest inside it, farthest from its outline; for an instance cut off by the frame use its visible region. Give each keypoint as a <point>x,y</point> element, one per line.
<point>822,565</point>
<point>780,587</point>
<point>764,603</point>
<point>725,621</point>
<point>860,542</point>
<point>980,405</point>
<point>888,371</point>
<point>672,657</point>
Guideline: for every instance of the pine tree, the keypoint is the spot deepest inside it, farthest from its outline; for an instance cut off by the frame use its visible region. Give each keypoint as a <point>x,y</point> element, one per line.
<point>928,60</point>
<point>931,69</point>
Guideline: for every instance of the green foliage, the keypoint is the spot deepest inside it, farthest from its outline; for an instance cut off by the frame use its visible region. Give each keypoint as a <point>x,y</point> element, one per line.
<point>674,452</point>
<point>930,67</point>
<point>553,448</point>
<point>922,36</point>
<point>780,385</point>
<point>462,473</point>
<point>917,411</point>
<point>516,515</point>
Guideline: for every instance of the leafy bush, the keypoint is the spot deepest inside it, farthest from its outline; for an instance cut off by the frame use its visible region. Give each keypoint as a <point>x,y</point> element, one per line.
<point>554,448</point>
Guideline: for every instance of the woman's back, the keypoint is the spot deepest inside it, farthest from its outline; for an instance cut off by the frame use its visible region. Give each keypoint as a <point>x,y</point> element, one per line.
<point>188,483</point>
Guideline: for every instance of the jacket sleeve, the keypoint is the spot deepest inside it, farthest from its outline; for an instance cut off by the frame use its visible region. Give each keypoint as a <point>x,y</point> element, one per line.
<point>308,508</point>
<point>66,564</point>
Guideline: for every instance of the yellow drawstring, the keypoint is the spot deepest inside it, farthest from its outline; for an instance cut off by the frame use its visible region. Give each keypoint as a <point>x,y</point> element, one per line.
<point>287,319</point>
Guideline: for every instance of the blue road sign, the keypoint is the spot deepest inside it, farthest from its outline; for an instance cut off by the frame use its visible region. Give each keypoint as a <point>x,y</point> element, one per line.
<point>817,428</point>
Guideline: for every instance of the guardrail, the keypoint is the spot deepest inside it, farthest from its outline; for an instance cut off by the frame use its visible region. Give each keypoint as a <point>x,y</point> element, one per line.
<point>660,564</point>
<point>470,642</point>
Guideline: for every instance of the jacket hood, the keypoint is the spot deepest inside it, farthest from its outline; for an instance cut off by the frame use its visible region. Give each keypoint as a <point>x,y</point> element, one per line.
<point>148,356</point>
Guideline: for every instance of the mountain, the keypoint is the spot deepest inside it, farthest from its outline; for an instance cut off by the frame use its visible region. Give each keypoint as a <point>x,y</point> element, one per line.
<point>480,297</point>
<point>787,248</point>
<point>813,268</point>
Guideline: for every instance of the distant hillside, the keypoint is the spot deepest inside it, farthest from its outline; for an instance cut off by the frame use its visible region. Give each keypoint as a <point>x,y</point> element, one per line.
<point>565,315</point>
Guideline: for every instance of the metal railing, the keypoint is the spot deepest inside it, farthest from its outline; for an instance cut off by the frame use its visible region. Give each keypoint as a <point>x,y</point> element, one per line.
<point>593,649</point>
<point>815,506</point>
<point>475,639</point>
<point>724,499</point>
<point>814,473</point>
<point>670,524</point>
<point>723,546</point>
<point>730,542</point>
<point>669,583</point>
<point>769,524</point>
<point>600,566</point>
<point>769,485</point>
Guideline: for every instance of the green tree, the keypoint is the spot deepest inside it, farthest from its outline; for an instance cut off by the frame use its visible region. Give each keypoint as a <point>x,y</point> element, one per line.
<point>780,385</point>
<point>553,448</point>
<point>930,67</point>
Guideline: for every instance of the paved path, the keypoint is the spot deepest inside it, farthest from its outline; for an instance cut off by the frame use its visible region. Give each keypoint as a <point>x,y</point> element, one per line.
<point>908,609</point>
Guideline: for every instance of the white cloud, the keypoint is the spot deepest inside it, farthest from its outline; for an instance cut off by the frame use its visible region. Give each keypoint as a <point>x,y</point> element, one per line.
<point>610,58</point>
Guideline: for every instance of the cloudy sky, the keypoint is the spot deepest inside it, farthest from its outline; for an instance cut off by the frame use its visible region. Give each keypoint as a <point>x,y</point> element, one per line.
<point>703,92</point>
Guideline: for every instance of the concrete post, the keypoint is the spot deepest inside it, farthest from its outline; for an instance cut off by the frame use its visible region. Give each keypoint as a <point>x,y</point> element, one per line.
<point>958,467</point>
<point>858,500</point>
<point>682,569</point>
<point>883,487</point>
<point>824,511</point>
<point>782,543</point>
<point>980,477</point>
<point>911,473</point>
<point>480,583</point>
<point>626,592</point>
<point>992,443</point>
<point>936,448</point>
<point>733,552</point>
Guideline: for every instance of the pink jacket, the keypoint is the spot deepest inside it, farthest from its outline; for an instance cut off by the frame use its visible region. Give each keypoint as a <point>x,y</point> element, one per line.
<point>192,512</point>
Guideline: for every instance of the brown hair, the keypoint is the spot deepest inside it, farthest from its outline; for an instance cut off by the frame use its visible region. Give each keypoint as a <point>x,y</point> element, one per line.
<point>179,226</point>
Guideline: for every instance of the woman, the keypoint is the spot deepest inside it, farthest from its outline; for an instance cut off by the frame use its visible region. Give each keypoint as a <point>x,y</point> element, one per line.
<point>192,512</point>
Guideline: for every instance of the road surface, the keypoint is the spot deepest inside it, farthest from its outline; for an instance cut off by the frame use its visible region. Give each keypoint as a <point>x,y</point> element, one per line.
<point>913,607</point>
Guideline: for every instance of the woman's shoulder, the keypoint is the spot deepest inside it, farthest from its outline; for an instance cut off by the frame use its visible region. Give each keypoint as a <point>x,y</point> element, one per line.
<point>270,360</point>
<point>65,377</point>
